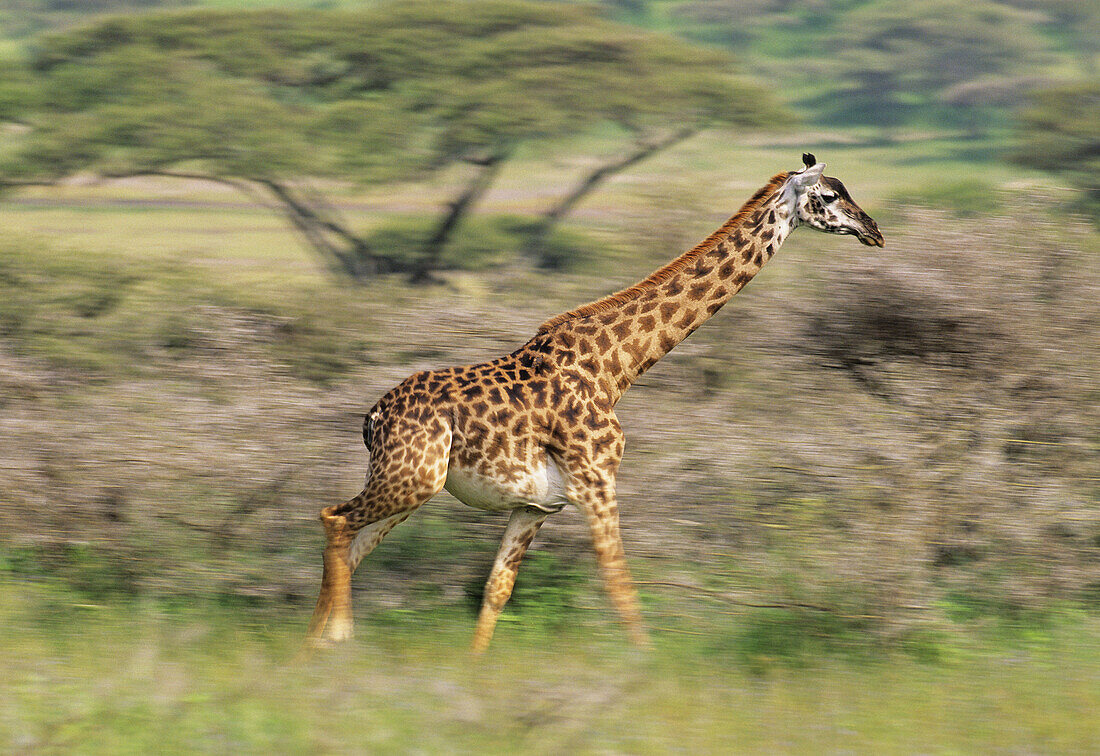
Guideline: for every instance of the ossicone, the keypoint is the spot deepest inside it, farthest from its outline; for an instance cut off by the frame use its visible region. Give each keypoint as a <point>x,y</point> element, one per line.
<point>809,159</point>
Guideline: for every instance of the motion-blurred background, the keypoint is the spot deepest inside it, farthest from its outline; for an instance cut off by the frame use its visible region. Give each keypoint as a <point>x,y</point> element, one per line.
<point>862,504</point>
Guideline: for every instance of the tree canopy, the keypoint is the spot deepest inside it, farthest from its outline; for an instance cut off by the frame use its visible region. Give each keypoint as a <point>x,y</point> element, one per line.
<point>1060,132</point>
<point>393,91</point>
<point>892,62</point>
<point>898,54</point>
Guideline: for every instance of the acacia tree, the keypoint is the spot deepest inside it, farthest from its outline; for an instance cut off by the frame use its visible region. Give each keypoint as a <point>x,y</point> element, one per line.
<point>264,100</point>
<point>231,97</point>
<point>671,94</point>
<point>515,88</point>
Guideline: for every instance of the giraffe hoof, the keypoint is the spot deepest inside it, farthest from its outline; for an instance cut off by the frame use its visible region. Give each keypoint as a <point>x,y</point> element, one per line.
<point>337,632</point>
<point>641,640</point>
<point>313,645</point>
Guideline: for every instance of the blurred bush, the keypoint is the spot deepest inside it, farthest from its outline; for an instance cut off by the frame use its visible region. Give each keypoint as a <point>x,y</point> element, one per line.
<point>967,198</point>
<point>913,442</point>
<point>22,18</point>
<point>1060,132</point>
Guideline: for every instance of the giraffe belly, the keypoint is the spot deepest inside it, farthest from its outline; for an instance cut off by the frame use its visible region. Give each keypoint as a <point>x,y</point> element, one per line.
<point>543,487</point>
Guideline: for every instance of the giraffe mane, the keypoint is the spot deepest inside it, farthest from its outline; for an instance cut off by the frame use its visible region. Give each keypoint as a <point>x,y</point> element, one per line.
<point>663,274</point>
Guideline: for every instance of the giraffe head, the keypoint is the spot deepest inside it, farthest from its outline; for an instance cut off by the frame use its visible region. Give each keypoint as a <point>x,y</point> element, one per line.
<point>823,203</point>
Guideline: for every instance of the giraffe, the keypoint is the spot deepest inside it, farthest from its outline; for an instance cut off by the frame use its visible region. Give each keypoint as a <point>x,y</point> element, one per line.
<point>535,430</point>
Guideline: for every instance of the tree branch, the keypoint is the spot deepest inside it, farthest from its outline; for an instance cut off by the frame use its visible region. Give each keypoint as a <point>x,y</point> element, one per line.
<point>488,167</point>
<point>353,260</point>
<point>18,184</point>
<point>187,175</point>
<point>642,151</point>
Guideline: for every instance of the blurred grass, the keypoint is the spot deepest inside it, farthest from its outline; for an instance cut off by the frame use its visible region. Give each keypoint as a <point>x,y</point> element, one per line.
<point>967,198</point>
<point>196,679</point>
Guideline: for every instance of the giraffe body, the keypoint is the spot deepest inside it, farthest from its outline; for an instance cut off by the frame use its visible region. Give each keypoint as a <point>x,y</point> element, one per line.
<point>541,486</point>
<point>535,430</point>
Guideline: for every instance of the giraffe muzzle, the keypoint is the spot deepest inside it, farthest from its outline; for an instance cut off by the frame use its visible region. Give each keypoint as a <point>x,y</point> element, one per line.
<point>870,235</point>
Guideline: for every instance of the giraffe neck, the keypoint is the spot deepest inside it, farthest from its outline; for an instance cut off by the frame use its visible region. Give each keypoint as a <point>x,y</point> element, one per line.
<point>620,337</point>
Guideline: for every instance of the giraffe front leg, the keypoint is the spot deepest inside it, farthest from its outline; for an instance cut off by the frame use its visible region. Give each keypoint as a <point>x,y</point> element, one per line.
<point>523,524</point>
<point>602,513</point>
<point>591,463</point>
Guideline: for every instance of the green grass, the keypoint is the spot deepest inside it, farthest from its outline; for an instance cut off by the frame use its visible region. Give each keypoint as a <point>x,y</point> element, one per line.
<point>102,678</point>
<point>966,198</point>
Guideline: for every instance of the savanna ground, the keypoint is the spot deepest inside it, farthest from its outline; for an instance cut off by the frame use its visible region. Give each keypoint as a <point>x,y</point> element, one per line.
<point>862,503</point>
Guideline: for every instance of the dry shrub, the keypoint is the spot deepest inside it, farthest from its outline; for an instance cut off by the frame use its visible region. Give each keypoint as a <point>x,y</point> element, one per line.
<point>884,311</point>
<point>913,438</point>
<point>961,334</point>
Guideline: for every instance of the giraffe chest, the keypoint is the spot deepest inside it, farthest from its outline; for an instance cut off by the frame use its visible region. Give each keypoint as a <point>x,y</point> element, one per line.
<point>539,485</point>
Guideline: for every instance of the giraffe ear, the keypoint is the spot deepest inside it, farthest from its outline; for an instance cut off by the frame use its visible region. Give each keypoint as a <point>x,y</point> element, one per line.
<point>808,176</point>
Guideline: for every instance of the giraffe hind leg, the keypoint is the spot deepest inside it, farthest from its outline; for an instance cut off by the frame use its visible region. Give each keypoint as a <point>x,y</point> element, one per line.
<point>363,543</point>
<point>344,550</point>
<point>352,529</point>
<point>336,575</point>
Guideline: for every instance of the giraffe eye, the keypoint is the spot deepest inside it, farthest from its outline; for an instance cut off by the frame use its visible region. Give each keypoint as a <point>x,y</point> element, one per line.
<point>827,198</point>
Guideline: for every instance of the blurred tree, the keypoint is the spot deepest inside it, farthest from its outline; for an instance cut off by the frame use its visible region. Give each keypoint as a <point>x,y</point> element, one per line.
<point>992,51</point>
<point>1074,23</point>
<point>262,100</point>
<point>1060,132</point>
<point>17,93</point>
<point>740,22</point>
<point>241,98</point>
<point>21,18</point>
<point>654,90</point>
<point>898,56</point>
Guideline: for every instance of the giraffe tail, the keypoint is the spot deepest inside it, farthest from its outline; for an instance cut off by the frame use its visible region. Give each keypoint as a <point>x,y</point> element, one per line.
<point>370,425</point>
